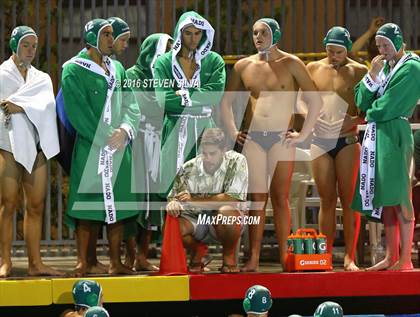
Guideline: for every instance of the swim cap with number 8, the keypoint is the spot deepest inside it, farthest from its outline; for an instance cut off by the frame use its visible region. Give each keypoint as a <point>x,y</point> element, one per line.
<point>257,300</point>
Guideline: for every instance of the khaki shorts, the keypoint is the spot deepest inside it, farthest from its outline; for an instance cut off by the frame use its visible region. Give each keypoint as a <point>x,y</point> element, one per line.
<point>204,232</point>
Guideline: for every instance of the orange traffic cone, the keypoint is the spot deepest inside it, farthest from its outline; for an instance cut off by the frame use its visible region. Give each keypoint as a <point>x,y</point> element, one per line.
<point>173,260</point>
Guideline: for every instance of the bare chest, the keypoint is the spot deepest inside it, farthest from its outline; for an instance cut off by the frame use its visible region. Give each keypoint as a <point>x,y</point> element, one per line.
<point>188,67</point>
<point>266,77</point>
<point>341,81</point>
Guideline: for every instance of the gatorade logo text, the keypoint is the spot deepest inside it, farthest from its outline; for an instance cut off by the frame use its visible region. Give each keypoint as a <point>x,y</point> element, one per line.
<point>312,262</point>
<point>307,262</point>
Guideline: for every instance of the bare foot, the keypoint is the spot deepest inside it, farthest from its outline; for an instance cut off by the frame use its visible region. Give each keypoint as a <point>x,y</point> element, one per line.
<point>5,269</point>
<point>97,268</point>
<point>43,270</point>
<point>250,266</point>
<point>129,261</point>
<point>383,265</point>
<point>200,251</point>
<point>401,265</point>
<point>80,270</point>
<point>228,268</point>
<point>196,268</point>
<point>144,265</point>
<point>120,269</point>
<point>349,265</point>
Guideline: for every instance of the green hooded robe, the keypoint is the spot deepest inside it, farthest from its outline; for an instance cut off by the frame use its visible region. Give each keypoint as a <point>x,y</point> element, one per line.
<point>84,94</point>
<point>188,114</point>
<point>140,78</point>
<point>394,138</point>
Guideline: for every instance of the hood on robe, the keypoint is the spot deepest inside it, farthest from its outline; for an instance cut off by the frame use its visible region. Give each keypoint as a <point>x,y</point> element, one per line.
<point>206,43</point>
<point>151,48</point>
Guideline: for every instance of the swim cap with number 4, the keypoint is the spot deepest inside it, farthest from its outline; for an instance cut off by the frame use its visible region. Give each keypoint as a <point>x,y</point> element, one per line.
<point>257,300</point>
<point>329,309</point>
<point>87,293</point>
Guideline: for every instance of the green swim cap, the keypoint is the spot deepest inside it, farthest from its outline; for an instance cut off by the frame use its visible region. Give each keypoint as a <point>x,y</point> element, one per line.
<point>257,300</point>
<point>87,293</point>
<point>329,309</point>
<point>18,34</point>
<point>119,27</point>
<point>392,33</point>
<point>96,311</point>
<point>92,31</point>
<point>274,28</point>
<point>338,36</point>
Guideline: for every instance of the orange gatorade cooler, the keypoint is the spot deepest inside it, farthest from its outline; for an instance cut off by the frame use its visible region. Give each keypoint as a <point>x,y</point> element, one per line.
<point>309,253</point>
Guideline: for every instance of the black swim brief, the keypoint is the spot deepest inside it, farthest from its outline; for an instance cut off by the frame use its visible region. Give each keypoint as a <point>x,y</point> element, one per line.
<point>334,146</point>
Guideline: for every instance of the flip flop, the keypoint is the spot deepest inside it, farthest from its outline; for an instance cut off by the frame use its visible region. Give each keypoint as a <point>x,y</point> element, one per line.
<point>229,269</point>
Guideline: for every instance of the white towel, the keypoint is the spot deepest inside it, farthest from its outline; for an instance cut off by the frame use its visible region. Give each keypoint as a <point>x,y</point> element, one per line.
<point>38,122</point>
